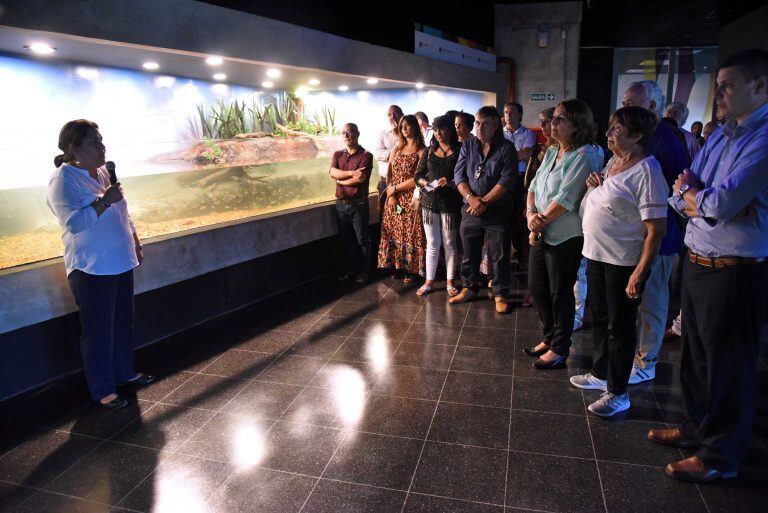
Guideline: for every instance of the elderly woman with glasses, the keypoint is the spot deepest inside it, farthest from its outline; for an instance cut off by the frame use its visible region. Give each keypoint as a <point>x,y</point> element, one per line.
<point>556,239</point>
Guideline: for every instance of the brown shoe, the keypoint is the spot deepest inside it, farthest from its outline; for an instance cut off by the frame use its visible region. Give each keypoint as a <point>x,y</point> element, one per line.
<point>693,470</point>
<point>464,296</point>
<point>670,335</point>
<point>673,437</point>
<point>502,307</point>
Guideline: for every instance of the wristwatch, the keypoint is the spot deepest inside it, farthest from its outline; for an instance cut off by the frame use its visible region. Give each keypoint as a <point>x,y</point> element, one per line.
<point>532,210</point>
<point>104,202</point>
<point>683,190</point>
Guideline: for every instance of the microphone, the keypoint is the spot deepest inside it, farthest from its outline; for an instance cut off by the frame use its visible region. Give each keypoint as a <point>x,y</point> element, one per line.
<point>111,169</point>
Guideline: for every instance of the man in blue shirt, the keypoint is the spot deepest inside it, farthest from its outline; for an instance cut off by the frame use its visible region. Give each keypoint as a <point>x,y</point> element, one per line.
<point>725,276</point>
<point>667,148</point>
<point>524,140</point>
<point>486,175</point>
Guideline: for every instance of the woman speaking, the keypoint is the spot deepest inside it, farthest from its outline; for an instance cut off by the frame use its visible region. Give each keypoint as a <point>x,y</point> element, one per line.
<point>101,249</point>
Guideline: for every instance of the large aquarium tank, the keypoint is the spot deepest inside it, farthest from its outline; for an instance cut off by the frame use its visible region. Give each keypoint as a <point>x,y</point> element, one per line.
<point>190,152</point>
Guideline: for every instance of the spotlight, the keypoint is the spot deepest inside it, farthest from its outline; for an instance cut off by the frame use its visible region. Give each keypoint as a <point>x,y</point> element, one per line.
<point>372,81</point>
<point>150,65</point>
<point>219,76</point>
<point>40,48</point>
<point>267,85</point>
<point>343,88</point>
<point>214,60</point>
<point>274,73</point>
<point>313,82</point>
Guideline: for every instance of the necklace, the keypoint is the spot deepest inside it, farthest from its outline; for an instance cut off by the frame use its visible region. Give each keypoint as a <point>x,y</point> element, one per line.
<point>618,165</point>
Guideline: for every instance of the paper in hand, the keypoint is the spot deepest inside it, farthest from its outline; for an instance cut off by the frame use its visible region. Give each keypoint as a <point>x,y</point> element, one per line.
<point>431,186</point>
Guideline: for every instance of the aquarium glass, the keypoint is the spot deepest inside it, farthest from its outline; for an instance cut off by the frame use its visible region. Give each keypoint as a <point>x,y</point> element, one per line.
<point>189,153</point>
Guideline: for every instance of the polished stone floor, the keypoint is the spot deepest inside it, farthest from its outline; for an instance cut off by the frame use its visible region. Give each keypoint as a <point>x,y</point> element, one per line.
<point>335,399</point>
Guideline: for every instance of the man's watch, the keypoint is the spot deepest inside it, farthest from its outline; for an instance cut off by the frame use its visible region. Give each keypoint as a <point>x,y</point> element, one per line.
<point>681,192</point>
<point>531,210</point>
<point>104,202</point>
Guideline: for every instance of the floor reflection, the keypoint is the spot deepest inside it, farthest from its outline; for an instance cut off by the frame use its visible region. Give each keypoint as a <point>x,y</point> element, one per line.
<point>340,405</point>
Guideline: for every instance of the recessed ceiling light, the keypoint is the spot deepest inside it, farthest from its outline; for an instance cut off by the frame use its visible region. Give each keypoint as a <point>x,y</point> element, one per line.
<point>219,88</point>
<point>267,85</point>
<point>273,73</point>
<point>165,81</point>
<point>343,88</point>
<point>87,73</point>
<point>419,85</point>
<point>313,82</point>
<point>373,81</point>
<point>150,65</point>
<point>219,76</point>
<point>214,60</point>
<point>41,48</point>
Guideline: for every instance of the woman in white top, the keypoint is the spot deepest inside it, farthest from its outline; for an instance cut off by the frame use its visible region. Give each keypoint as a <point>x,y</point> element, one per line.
<point>101,249</point>
<point>623,218</point>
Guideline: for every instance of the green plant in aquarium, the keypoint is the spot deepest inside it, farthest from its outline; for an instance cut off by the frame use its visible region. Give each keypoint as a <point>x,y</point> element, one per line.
<point>212,151</point>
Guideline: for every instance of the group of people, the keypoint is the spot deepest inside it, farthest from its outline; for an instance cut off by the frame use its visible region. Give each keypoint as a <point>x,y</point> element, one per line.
<point>614,230</point>
<point>621,224</point>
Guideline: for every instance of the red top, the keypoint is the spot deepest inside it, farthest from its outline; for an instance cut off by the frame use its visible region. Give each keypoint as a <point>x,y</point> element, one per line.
<point>346,162</point>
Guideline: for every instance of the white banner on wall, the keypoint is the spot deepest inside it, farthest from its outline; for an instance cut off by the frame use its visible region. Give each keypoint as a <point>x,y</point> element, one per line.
<point>441,49</point>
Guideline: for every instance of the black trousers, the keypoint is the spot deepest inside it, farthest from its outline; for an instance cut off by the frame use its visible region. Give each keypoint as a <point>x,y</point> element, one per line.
<point>724,311</point>
<point>355,236</point>
<point>551,276</point>
<point>106,319</point>
<point>493,227</point>
<point>613,323</point>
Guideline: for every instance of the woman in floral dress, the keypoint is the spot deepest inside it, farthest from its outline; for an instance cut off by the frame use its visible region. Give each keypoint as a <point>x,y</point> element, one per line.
<point>403,241</point>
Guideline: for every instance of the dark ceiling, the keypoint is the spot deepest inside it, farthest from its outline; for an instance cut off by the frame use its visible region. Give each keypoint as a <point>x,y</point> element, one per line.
<point>631,23</point>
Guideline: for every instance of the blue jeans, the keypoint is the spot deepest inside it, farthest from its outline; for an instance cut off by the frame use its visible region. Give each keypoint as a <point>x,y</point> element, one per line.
<point>106,320</point>
<point>354,233</point>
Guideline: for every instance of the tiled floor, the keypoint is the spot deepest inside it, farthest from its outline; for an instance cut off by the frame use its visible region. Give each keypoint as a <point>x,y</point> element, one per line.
<point>369,400</point>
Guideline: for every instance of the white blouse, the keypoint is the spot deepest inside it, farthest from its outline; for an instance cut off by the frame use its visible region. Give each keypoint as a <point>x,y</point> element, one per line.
<point>613,213</point>
<point>95,245</point>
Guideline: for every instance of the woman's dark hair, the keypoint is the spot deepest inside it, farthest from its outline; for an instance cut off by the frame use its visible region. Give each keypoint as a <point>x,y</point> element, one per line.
<point>467,118</point>
<point>444,123</point>
<point>411,120</point>
<point>580,116</point>
<point>71,136</point>
<point>639,121</point>
<point>451,114</point>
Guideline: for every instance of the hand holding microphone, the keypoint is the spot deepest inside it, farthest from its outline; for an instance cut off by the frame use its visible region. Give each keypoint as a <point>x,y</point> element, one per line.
<point>114,193</point>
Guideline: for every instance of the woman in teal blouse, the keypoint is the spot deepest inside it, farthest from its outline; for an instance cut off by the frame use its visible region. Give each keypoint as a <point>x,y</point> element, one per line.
<point>553,217</point>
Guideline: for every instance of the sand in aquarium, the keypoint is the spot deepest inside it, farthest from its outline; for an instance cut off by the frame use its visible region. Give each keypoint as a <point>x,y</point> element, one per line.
<point>173,202</point>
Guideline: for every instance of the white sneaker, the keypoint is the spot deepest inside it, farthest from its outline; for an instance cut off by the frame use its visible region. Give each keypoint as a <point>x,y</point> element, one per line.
<point>589,382</point>
<point>609,404</point>
<point>638,375</point>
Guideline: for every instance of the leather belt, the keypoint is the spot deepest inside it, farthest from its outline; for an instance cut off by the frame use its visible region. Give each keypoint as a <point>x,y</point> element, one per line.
<point>720,262</point>
<point>351,201</point>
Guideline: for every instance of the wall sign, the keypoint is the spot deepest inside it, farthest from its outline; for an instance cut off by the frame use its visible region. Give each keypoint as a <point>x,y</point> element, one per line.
<point>542,97</point>
<point>432,43</point>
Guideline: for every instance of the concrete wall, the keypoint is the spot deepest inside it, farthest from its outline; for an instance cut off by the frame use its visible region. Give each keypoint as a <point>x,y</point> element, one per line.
<point>553,69</point>
<point>743,33</point>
